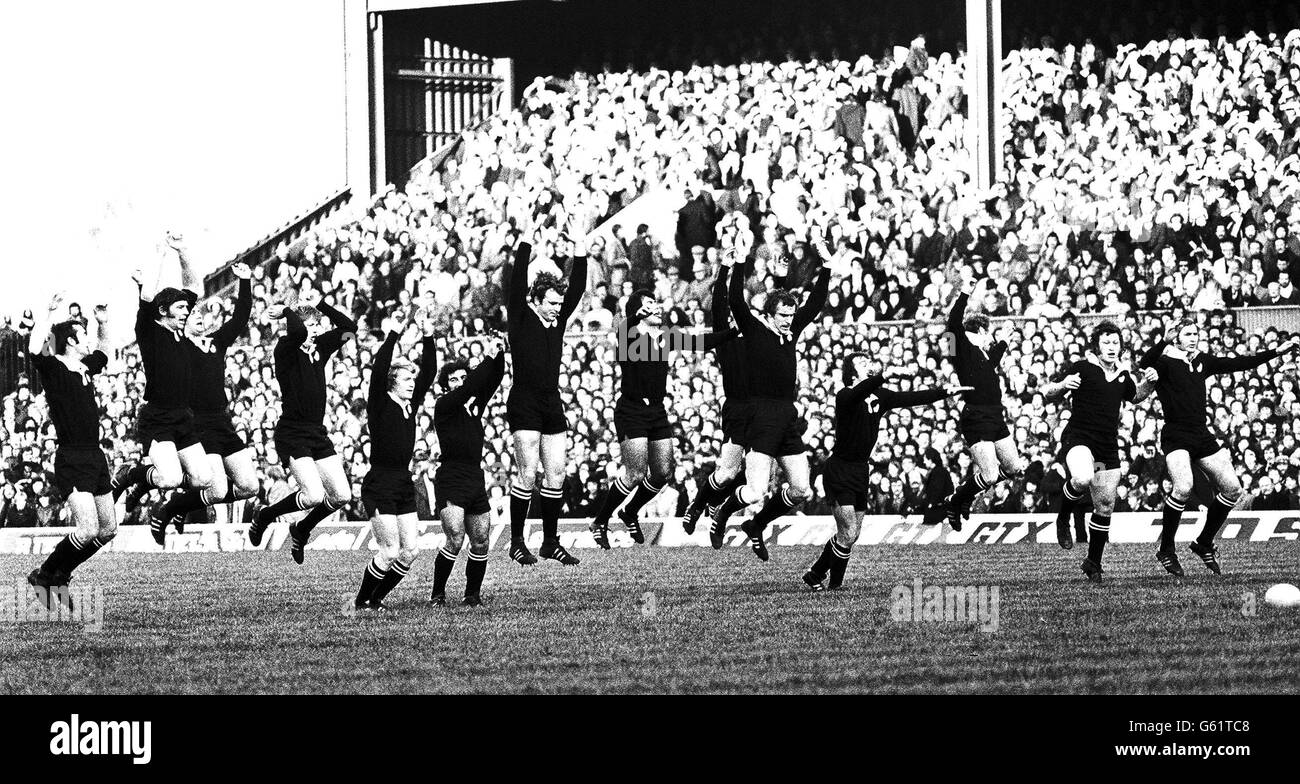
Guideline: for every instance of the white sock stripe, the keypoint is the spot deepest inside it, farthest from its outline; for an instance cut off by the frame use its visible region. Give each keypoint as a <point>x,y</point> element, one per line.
<point>1221,498</point>
<point>521,493</point>
<point>1174,504</point>
<point>474,557</point>
<point>620,486</point>
<point>76,541</point>
<point>1071,495</point>
<point>714,485</point>
<point>837,550</point>
<point>1095,527</point>
<point>448,554</point>
<point>552,493</point>
<point>376,571</point>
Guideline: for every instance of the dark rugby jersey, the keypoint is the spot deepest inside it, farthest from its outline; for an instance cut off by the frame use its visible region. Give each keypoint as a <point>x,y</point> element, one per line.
<point>302,377</point>
<point>731,353</point>
<point>1181,386</point>
<point>391,427</point>
<point>644,367</point>
<point>859,410</point>
<point>772,360</point>
<point>458,414</point>
<point>974,367</point>
<point>74,410</point>
<point>1095,405</point>
<point>536,348</point>
<point>208,388</point>
<point>165,355</point>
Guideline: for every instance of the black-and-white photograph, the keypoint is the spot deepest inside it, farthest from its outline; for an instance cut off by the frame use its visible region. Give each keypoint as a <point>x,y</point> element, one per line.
<point>455,347</point>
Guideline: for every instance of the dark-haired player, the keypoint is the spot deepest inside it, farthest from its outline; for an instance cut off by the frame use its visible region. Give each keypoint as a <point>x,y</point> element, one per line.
<point>536,316</point>
<point>726,476</point>
<point>983,420</point>
<point>859,408</point>
<point>458,485</point>
<point>301,439</point>
<point>640,417</point>
<point>234,477</point>
<point>1098,387</point>
<point>396,393</point>
<point>165,425</point>
<point>771,342</point>
<point>1186,438</point>
<point>80,471</point>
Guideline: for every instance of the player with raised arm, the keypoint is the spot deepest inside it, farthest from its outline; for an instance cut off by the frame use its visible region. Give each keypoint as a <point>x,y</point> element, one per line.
<point>1098,387</point>
<point>67,361</point>
<point>458,485</point>
<point>860,408</point>
<point>640,416</point>
<point>301,439</point>
<point>771,343</point>
<point>1186,438</point>
<point>536,317</point>
<point>165,425</point>
<point>396,394</point>
<point>234,478</point>
<point>727,474</point>
<point>983,421</point>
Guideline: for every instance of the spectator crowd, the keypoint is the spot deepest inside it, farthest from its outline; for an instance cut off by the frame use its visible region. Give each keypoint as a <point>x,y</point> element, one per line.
<point>1161,178</point>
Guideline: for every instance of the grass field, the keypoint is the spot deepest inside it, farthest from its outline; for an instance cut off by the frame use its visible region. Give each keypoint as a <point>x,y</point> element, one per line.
<point>722,622</point>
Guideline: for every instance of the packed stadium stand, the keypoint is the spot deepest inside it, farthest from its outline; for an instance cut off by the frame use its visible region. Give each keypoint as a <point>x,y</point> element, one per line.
<point>1142,181</point>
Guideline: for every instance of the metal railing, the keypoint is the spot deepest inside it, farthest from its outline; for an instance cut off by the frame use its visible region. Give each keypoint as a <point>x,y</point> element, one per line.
<point>222,280</point>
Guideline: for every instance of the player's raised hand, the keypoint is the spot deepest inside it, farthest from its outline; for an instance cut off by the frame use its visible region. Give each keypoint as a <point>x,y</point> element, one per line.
<point>1072,381</point>
<point>242,271</point>
<point>175,240</point>
<point>427,323</point>
<point>101,314</point>
<point>56,301</point>
<point>309,297</point>
<point>956,389</point>
<point>391,325</point>
<point>1288,346</point>
<point>1151,375</point>
<point>137,276</point>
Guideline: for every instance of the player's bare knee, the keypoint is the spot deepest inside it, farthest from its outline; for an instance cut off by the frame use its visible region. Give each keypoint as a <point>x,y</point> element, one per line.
<point>478,546</point>
<point>1182,488</point>
<point>167,478</point>
<point>454,542</point>
<point>245,490</point>
<point>1082,479</point>
<point>308,497</point>
<point>388,553</point>
<point>340,497</point>
<point>799,494</point>
<point>1103,506</point>
<point>407,555</point>
<point>634,476</point>
<point>1231,491</point>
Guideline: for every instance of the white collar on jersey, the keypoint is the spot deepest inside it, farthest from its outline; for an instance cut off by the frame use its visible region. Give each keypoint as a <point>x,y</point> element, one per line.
<point>405,406</point>
<point>309,348</point>
<point>767,322</point>
<point>1108,375</point>
<point>78,367</point>
<point>545,323</point>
